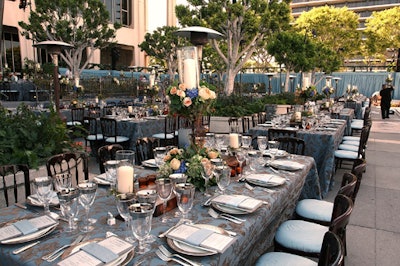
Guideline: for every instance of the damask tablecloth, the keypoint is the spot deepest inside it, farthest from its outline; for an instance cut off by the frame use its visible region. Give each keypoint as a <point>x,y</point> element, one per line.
<point>253,238</point>
<point>321,145</point>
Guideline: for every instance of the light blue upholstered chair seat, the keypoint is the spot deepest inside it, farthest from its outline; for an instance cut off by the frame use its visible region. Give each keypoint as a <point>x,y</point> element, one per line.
<point>283,259</point>
<point>343,154</point>
<point>348,147</point>
<point>315,209</point>
<point>351,142</point>
<point>351,138</point>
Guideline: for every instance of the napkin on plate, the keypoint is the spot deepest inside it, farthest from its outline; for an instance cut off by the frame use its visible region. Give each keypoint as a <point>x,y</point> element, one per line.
<point>150,163</point>
<point>100,252</point>
<point>240,202</point>
<point>35,200</point>
<point>266,179</point>
<point>25,227</point>
<point>286,165</point>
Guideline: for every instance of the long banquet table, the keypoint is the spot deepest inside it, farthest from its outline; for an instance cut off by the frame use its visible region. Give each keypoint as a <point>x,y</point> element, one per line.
<point>321,145</point>
<point>253,238</point>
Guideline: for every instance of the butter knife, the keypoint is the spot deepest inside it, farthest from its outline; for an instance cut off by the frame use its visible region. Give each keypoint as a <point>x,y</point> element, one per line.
<point>22,249</point>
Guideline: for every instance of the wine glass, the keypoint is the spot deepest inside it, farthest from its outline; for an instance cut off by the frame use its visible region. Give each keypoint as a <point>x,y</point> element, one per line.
<point>223,176</point>
<point>176,179</point>
<point>68,198</point>
<point>185,197</point>
<point>246,141</point>
<point>111,171</point>
<point>164,190</point>
<point>210,140</point>
<point>273,147</point>
<point>123,201</point>
<point>62,181</point>
<point>148,196</point>
<point>43,186</point>
<point>240,155</point>
<point>159,154</point>
<point>262,143</point>
<point>87,195</point>
<point>141,214</point>
<point>206,172</point>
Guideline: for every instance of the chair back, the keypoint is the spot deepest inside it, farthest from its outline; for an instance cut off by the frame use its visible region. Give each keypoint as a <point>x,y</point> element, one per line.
<point>106,153</point>
<point>279,132</point>
<point>246,120</point>
<point>91,126</point>
<point>94,111</point>
<point>270,111</point>
<point>109,127</point>
<point>363,141</point>
<point>359,167</point>
<point>144,149</point>
<point>77,114</point>
<point>74,163</point>
<point>342,208</point>
<point>233,123</point>
<point>349,182</point>
<point>255,119</point>
<point>292,145</point>
<point>262,117</point>
<point>9,175</point>
<point>206,122</point>
<point>332,251</point>
<point>107,110</point>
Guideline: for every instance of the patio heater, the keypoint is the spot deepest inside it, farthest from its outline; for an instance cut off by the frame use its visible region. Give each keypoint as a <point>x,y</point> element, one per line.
<point>336,79</point>
<point>54,48</point>
<point>292,77</point>
<point>270,75</point>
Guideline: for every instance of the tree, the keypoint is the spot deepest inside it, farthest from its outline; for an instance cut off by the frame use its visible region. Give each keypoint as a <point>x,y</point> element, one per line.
<point>246,24</point>
<point>162,44</point>
<point>335,28</point>
<point>81,23</point>
<point>383,31</point>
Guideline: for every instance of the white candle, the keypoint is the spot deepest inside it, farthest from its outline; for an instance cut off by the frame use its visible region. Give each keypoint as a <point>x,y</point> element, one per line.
<point>234,140</point>
<point>189,73</point>
<point>306,82</point>
<point>130,109</point>
<point>297,116</point>
<point>125,179</point>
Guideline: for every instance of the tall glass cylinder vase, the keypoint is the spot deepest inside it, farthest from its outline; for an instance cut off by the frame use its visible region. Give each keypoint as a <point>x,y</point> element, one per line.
<point>188,67</point>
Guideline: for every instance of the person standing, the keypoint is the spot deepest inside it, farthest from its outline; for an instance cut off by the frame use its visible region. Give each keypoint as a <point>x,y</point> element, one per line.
<point>386,98</point>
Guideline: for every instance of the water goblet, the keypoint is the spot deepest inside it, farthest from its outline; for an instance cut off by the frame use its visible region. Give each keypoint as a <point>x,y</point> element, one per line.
<point>87,190</point>
<point>246,141</point>
<point>262,143</point>
<point>43,187</point>
<point>62,181</point>
<point>164,190</point>
<point>176,179</point>
<point>141,217</point>
<point>185,197</point>
<point>210,141</point>
<point>68,198</point>
<point>111,172</point>
<point>253,157</point>
<point>240,155</point>
<point>159,154</point>
<point>273,147</point>
<point>223,177</point>
<point>148,196</point>
<point>206,172</point>
<point>123,201</point>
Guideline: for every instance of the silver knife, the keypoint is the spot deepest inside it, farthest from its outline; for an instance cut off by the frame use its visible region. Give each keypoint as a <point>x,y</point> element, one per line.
<point>22,249</point>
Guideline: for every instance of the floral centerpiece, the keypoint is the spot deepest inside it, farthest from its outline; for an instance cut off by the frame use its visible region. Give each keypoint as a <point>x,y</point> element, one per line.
<point>328,91</point>
<point>351,91</point>
<point>309,94</point>
<point>188,161</point>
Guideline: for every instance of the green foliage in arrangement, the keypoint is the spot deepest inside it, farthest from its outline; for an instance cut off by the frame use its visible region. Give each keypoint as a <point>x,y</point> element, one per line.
<point>30,138</point>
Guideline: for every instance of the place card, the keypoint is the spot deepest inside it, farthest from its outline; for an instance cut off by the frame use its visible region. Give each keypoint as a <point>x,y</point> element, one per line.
<point>241,202</point>
<point>201,237</point>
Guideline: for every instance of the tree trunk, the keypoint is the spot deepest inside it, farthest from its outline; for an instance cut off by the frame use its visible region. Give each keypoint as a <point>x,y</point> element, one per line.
<point>229,81</point>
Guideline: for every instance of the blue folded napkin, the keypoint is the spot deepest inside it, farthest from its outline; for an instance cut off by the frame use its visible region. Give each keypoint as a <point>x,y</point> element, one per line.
<point>199,236</point>
<point>100,252</point>
<point>26,227</point>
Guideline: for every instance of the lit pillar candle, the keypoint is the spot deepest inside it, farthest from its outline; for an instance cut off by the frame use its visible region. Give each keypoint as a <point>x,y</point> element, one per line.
<point>234,140</point>
<point>297,116</point>
<point>189,73</point>
<point>130,109</point>
<point>125,179</point>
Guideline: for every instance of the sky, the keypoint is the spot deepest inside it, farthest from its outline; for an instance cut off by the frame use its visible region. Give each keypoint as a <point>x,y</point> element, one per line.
<point>157,13</point>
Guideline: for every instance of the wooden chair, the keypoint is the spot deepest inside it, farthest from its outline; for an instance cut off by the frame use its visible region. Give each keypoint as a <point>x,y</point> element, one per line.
<point>107,110</point>
<point>359,167</point>
<point>106,153</point>
<point>94,111</point>
<point>292,145</point>
<point>109,129</point>
<point>9,175</point>
<point>168,136</point>
<point>255,119</point>
<point>74,163</point>
<point>77,115</point>
<point>94,136</point>
<point>320,211</point>
<point>270,111</point>
<point>305,238</point>
<point>262,117</point>
<point>280,132</point>
<point>246,124</point>
<point>233,123</point>
<point>331,254</point>
<point>144,149</point>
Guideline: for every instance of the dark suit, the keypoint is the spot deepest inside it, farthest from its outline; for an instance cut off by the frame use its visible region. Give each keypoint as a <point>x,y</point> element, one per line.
<point>386,98</point>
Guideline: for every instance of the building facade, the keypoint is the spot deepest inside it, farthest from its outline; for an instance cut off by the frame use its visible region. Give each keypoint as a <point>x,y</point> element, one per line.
<point>132,14</point>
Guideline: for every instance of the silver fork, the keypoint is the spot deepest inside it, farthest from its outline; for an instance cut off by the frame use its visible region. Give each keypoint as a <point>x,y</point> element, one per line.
<point>233,219</point>
<point>56,253</point>
<point>167,253</point>
<point>166,259</point>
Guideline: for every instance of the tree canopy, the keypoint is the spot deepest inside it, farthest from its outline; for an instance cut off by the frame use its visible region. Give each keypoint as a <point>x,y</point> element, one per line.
<point>81,23</point>
<point>246,24</point>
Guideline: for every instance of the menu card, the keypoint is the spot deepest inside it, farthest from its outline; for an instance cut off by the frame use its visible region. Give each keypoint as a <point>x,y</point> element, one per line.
<point>201,237</point>
<point>241,202</point>
<point>98,253</point>
<point>26,227</point>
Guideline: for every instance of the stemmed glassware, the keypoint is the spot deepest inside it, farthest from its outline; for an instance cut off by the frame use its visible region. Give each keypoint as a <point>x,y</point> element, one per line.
<point>87,195</point>
<point>223,176</point>
<point>185,197</point>
<point>44,190</point>
<point>246,141</point>
<point>262,143</point>
<point>273,147</point>
<point>141,214</point>
<point>164,190</point>
<point>148,196</point>
<point>111,172</point>
<point>206,172</point>
<point>62,181</point>
<point>240,155</point>
<point>176,179</point>
<point>159,154</point>
<point>68,198</point>
<point>123,201</point>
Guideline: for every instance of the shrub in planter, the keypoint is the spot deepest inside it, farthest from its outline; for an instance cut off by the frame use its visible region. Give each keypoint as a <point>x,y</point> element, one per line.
<point>30,138</point>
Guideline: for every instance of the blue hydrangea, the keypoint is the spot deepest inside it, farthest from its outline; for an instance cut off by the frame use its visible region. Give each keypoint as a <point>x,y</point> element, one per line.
<point>182,168</point>
<point>192,93</point>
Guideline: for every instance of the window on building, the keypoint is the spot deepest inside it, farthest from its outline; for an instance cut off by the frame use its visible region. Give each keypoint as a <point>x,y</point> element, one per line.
<point>119,11</point>
<point>11,50</point>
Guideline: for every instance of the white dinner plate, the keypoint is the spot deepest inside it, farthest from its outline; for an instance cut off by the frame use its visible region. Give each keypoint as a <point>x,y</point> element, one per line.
<point>265,180</point>
<point>151,163</point>
<point>279,153</point>
<point>286,165</point>
<point>101,179</point>
<point>228,209</point>
<point>34,200</point>
<point>187,249</point>
<point>29,237</point>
